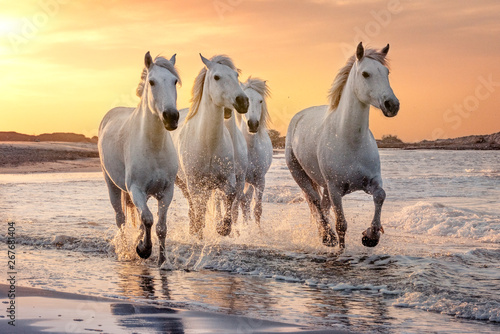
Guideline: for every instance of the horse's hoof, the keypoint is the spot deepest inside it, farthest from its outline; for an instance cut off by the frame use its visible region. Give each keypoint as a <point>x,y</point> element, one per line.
<point>330,239</point>
<point>224,227</point>
<point>367,242</point>
<point>371,237</point>
<point>142,251</point>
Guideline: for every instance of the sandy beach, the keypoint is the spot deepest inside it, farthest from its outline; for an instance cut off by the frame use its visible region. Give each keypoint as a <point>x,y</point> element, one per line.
<point>44,157</point>
<point>47,311</point>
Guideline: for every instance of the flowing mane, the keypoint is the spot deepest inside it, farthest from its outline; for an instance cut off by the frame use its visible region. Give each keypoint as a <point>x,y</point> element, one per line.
<point>197,91</point>
<point>159,61</point>
<point>260,87</point>
<point>338,85</point>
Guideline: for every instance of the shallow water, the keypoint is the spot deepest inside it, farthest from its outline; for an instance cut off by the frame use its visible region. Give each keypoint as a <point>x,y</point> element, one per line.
<point>437,268</point>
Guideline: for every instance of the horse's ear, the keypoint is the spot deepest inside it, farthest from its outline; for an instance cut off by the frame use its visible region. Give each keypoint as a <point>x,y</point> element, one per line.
<point>205,61</point>
<point>385,50</point>
<point>172,60</point>
<point>148,61</point>
<point>360,51</point>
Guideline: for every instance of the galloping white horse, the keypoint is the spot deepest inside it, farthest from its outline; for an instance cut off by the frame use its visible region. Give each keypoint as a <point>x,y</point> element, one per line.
<point>138,157</point>
<point>332,147</point>
<point>254,126</point>
<point>204,145</point>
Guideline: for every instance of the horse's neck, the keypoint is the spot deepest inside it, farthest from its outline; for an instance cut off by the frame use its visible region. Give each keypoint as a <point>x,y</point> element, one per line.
<point>231,124</point>
<point>150,127</point>
<point>351,118</point>
<point>210,122</point>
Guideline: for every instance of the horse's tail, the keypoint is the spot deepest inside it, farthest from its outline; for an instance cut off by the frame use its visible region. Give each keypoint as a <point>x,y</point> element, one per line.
<point>129,209</point>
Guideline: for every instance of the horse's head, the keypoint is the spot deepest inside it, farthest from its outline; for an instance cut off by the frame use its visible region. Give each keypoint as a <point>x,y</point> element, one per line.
<point>222,85</point>
<point>160,88</point>
<point>371,81</point>
<point>257,92</point>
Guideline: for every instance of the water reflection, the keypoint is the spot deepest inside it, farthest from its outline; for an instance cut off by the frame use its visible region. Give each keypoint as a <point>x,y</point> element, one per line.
<point>146,318</point>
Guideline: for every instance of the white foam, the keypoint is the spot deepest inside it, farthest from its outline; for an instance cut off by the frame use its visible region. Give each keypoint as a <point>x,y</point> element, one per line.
<point>441,303</point>
<point>440,220</point>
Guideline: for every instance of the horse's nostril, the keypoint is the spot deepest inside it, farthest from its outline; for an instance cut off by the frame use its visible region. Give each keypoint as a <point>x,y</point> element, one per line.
<point>388,104</point>
<point>242,100</point>
<point>253,126</point>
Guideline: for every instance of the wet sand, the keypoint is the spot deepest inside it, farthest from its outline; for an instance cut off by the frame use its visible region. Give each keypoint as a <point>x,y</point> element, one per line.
<point>40,310</point>
<point>43,157</point>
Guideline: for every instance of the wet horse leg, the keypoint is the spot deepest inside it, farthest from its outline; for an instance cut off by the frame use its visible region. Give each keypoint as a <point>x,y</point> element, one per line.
<point>247,201</point>
<point>139,198</point>
<point>259,192</point>
<point>340,221</point>
<point>224,227</point>
<point>182,185</point>
<point>161,226</point>
<point>371,236</point>
<point>115,196</point>
<point>313,198</point>
<point>199,198</point>
<point>240,194</point>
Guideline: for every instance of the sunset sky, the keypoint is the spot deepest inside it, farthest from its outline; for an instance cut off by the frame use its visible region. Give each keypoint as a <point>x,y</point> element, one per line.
<point>64,64</point>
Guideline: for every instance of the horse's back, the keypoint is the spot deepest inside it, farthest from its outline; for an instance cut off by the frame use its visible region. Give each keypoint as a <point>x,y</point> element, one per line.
<point>115,117</point>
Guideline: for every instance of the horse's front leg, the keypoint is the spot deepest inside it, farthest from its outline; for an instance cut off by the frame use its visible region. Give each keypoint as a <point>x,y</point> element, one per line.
<point>340,221</point>
<point>259,192</point>
<point>246,201</point>
<point>139,198</point>
<point>164,201</point>
<point>371,236</point>
<point>198,201</point>
<point>224,226</point>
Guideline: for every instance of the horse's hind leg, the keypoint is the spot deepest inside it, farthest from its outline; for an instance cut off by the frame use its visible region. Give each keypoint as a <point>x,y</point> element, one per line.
<point>161,226</point>
<point>139,199</point>
<point>371,236</point>
<point>115,196</point>
<point>340,221</point>
<point>313,198</point>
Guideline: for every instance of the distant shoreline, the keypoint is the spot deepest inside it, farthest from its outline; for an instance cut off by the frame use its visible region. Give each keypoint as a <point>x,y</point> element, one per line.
<point>28,155</point>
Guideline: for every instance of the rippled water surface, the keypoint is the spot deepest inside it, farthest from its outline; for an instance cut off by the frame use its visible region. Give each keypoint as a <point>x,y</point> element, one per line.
<point>437,268</point>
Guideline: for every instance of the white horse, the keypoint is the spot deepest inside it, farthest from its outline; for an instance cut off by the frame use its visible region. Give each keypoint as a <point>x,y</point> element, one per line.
<point>138,157</point>
<point>204,145</point>
<point>254,125</point>
<point>333,148</point>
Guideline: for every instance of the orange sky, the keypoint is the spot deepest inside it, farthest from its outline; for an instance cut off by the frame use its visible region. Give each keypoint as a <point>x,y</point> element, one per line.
<point>63,63</point>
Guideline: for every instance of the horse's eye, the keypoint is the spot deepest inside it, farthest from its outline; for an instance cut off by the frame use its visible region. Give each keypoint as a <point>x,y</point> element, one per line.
<point>365,74</point>
<point>260,101</point>
<point>216,77</point>
<point>176,81</point>
<point>151,83</point>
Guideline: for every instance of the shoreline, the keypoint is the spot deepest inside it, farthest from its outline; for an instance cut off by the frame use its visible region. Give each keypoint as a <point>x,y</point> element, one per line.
<point>62,157</point>
<point>38,310</point>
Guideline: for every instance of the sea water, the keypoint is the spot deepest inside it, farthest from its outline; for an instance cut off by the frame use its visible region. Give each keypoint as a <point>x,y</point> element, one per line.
<point>435,270</point>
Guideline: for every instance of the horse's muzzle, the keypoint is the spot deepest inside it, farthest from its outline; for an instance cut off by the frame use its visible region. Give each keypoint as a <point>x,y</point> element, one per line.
<point>228,112</point>
<point>390,107</point>
<point>253,126</point>
<point>241,104</point>
<point>171,119</point>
